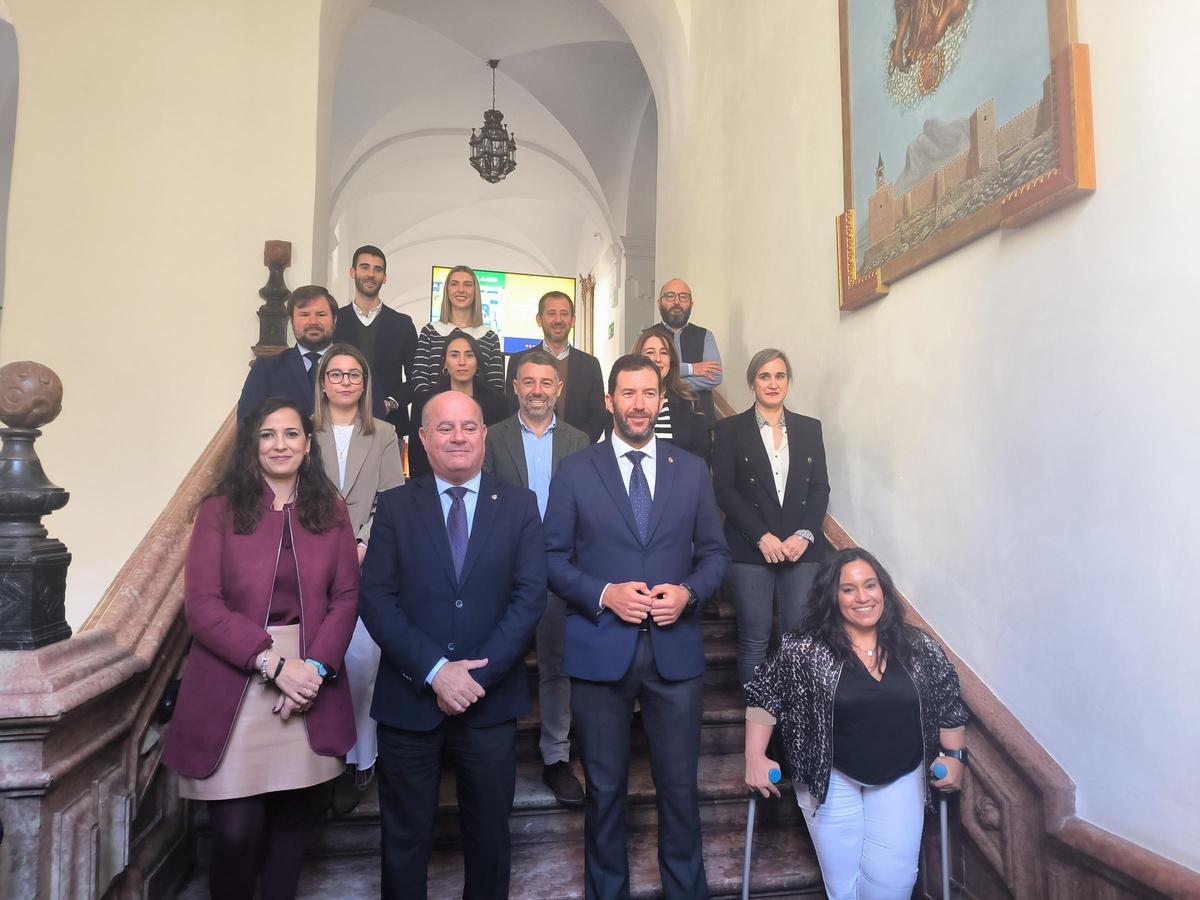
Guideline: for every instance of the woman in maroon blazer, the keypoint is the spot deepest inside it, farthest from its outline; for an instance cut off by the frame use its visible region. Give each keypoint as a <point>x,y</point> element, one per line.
<point>271,598</point>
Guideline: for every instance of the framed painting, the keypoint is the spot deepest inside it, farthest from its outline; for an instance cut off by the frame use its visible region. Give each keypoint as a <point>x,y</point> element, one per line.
<point>958,116</point>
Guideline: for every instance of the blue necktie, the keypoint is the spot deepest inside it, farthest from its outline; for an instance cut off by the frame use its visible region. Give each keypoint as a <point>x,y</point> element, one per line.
<point>639,494</point>
<point>456,526</point>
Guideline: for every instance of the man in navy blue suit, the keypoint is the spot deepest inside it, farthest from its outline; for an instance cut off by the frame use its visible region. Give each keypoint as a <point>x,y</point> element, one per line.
<point>312,311</point>
<point>634,544</point>
<point>453,586</point>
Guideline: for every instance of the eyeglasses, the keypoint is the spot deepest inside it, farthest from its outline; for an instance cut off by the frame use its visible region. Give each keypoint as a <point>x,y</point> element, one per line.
<point>671,295</point>
<point>335,376</point>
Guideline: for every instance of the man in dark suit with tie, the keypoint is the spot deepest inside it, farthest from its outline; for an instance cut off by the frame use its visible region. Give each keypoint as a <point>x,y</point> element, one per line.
<point>581,403</point>
<point>634,544</point>
<point>387,338</point>
<point>453,586</point>
<point>291,373</point>
<point>526,449</point>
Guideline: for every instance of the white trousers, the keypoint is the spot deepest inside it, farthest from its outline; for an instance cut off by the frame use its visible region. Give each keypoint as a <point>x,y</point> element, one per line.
<point>867,837</point>
<point>362,665</point>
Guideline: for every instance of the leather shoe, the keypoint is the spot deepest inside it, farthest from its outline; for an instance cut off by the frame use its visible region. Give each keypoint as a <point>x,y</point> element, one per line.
<point>345,795</point>
<point>563,784</point>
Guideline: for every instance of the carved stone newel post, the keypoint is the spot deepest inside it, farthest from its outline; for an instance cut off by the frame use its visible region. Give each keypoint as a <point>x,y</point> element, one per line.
<point>33,566</point>
<point>272,315</point>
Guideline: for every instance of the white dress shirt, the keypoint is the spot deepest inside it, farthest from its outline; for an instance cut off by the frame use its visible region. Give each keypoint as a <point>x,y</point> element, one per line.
<point>369,316</point>
<point>780,459</point>
<point>625,464</point>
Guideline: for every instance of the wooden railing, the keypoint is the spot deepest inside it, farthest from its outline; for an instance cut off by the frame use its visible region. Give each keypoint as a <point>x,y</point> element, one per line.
<point>88,811</point>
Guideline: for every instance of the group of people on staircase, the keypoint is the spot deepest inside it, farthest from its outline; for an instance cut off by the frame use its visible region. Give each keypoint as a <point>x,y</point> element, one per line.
<point>347,621</point>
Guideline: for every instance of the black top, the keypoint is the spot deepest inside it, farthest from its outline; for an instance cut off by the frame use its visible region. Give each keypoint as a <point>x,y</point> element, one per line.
<point>876,724</point>
<point>745,486</point>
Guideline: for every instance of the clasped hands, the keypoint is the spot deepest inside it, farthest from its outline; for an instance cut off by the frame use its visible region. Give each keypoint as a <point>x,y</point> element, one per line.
<point>456,688</point>
<point>633,601</point>
<point>776,551</point>
<point>298,685</point>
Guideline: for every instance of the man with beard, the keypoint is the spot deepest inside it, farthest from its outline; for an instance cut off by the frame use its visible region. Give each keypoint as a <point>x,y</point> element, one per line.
<point>700,360</point>
<point>387,338</point>
<point>634,544</point>
<point>290,374</point>
<point>526,449</point>
<point>581,403</point>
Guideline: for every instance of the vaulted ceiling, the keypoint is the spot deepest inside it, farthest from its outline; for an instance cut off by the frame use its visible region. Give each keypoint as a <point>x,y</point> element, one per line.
<point>413,81</point>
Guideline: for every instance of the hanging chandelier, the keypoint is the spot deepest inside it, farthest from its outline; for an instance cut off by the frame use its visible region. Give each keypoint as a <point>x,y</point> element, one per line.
<point>492,149</point>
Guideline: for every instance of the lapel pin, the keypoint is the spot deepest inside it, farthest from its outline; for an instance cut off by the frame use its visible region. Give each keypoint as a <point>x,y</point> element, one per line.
<point>670,459</point>
<point>495,496</point>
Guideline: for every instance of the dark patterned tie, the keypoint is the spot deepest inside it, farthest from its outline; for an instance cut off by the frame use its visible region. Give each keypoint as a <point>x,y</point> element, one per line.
<point>314,359</point>
<point>639,494</point>
<point>456,527</point>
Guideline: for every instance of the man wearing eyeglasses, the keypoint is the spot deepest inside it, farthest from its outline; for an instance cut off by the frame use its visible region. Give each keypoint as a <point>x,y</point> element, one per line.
<point>700,360</point>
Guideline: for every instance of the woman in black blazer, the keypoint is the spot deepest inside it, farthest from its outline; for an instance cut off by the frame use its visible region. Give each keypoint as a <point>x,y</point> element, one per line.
<point>680,420</point>
<point>461,371</point>
<point>771,482</point>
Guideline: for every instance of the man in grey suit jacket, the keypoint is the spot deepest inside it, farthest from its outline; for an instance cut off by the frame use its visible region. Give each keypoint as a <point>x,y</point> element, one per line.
<point>525,449</point>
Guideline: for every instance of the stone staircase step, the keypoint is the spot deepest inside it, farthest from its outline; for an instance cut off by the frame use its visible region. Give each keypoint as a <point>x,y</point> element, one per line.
<point>537,816</point>
<point>784,866</point>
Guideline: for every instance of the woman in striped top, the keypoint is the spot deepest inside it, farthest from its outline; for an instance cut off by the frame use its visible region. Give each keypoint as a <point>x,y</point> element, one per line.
<point>680,420</point>
<point>461,310</point>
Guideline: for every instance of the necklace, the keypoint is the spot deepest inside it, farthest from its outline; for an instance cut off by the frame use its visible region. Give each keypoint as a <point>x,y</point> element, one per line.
<point>870,652</point>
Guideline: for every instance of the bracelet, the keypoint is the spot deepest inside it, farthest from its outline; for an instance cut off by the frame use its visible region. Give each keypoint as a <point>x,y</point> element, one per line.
<point>262,665</point>
<point>278,668</point>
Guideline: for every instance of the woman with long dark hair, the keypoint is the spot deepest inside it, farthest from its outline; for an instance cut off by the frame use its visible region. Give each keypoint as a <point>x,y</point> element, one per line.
<point>462,311</point>
<point>361,456</point>
<point>866,705</point>
<point>461,371</point>
<point>271,598</point>
<point>771,482</point>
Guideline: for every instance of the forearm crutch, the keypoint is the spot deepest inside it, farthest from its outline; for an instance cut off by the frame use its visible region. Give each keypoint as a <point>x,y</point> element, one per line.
<point>939,771</point>
<point>774,775</point>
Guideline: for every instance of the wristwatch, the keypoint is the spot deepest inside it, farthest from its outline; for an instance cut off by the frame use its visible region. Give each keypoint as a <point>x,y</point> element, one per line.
<point>693,597</point>
<point>320,667</point>
<point>960,755</point>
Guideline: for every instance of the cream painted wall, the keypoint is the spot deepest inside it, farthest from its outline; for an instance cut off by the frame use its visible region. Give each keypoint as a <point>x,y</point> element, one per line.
<point>158,145</point>
<point>1011,429</point>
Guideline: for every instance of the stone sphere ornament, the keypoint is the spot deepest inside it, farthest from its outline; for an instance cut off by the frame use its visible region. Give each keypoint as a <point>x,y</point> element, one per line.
<point>30,394</point>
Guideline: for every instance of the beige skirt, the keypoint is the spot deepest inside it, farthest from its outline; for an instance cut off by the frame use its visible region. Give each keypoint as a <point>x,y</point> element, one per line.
<point>265,753</point>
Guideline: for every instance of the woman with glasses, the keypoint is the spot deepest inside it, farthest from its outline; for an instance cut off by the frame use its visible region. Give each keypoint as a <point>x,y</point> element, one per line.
<point>462,371</point>
<point>462,311</point>
<point>361,456</point>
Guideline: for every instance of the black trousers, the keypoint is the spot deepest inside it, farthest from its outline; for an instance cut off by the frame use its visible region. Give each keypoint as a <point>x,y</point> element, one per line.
<point>671,715</point>
<point>410,774</point>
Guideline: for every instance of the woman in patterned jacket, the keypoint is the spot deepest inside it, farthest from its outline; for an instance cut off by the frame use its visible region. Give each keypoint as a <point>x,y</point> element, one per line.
<point>866,705</point>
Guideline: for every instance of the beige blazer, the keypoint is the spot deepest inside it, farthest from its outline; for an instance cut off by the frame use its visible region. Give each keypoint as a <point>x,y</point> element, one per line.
<point>373,464</point>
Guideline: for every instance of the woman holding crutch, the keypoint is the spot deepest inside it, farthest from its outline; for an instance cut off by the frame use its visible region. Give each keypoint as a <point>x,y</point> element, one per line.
<point>867,706</point>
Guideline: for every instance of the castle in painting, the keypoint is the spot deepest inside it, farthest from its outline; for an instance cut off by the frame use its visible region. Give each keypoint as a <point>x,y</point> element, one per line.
<point>997,161</point>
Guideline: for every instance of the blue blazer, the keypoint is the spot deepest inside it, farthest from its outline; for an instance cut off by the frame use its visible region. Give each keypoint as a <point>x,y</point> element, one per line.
<point>284,375</point>
<point>592,540</point>
<point>417,611</point>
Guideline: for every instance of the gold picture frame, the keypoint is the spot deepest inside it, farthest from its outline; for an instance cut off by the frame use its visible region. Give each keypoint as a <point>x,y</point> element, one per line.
<point>1015,150</point>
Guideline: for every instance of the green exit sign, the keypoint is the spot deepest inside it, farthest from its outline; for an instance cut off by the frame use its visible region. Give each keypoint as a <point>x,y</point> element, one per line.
<point>612,330</point>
